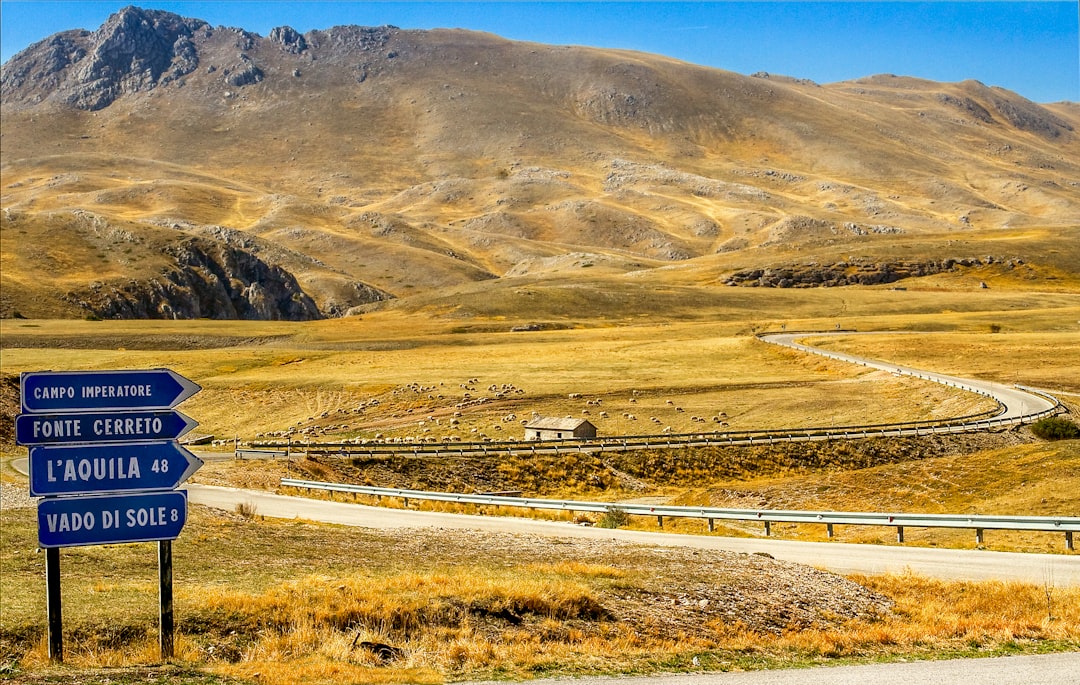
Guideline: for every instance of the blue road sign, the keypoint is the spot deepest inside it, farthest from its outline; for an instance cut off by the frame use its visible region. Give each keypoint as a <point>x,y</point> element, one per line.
<point>113,519</point>
<point>119,467</point>
<point>71,391</point>
<point>123,426</point>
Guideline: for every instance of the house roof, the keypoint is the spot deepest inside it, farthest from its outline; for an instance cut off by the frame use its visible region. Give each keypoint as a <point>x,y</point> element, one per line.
<point>554,423</point>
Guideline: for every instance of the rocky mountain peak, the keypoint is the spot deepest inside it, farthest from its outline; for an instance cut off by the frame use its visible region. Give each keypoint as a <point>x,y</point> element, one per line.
<point>288,39</point>
<point>134,50</point>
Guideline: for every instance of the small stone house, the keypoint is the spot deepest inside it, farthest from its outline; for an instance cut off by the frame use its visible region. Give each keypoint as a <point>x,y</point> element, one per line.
<point>558,429</point>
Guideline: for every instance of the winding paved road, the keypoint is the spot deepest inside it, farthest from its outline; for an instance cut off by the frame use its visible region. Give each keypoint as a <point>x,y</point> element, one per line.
<point>839,557</point>
<point>1018,402</point>
<point>1061,569</point>
<point>960,564</point>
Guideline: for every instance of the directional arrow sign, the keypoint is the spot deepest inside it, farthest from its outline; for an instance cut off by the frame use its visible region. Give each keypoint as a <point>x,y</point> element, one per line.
<point>74,521</point>
<point>122,467</point>
<point>66,391</point>
<point>126,426</point>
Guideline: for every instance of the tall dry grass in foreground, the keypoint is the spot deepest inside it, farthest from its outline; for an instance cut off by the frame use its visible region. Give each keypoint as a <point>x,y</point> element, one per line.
<point>548,619</point>
<point>939,617</point>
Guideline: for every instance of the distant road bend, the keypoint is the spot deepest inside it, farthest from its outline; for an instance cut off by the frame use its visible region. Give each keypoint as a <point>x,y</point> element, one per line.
<point>1019,403</point>
<point>841,558</point>
<point>1015,405</point>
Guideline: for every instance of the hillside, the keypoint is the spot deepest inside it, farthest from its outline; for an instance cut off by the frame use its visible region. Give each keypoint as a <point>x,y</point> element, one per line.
<point>161,167</point>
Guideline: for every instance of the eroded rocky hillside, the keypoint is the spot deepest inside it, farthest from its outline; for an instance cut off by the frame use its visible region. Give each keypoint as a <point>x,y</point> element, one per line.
<point>159,166</point>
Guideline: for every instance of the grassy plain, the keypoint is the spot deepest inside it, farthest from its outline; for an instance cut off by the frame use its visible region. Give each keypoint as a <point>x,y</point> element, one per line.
<point>285,601</point>
<point>264,377</point>
<point>288,601</point>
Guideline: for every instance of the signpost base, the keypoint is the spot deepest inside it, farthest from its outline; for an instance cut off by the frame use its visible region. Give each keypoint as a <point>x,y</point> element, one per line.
<point>52,589</point>
<point>165,593</point>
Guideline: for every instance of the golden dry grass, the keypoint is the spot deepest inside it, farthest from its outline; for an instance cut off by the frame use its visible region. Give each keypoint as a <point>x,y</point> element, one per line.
<point>297,372</point>
<point>264,376</point>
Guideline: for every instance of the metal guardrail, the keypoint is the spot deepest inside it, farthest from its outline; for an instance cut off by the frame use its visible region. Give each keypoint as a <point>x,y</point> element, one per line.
<point>245,453</point>
<point>642,442</point>
<point>962,424</point>
<point>979,523</point>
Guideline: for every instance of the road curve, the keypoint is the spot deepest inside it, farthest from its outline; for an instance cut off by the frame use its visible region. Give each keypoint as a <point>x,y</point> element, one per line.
<point>1019,403</point>
<point>952,564</point>
<point>1040,669</point>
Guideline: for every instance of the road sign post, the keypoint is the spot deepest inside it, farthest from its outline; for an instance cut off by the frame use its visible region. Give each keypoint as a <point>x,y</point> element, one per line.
<point>100,427</point>
<point>94,469</point>
<point>165,599</point>
<point>55,391</point>
<point>104,457</point>
<point>54,609</point>
<point>111,519</point>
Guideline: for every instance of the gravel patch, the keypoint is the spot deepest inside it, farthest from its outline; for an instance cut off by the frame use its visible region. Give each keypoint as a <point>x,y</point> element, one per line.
<point>16,496</point>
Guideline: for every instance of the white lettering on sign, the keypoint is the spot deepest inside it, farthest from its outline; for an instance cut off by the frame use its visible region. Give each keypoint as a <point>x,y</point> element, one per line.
<point>57,428</point>
<point>151,516</point>
<point>69,523</point>
<point>142,390</point>
<point>55,393</point>
<point>100,468</point>
<point>128,426</point>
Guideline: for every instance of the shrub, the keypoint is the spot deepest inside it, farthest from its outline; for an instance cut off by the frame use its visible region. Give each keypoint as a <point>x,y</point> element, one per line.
<point>614,517</point>
<point>1055,428</point>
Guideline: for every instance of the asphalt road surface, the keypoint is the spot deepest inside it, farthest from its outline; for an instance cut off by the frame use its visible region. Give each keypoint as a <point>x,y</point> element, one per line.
<point>959,564</point>
<point>1043,669</point>
<point>1017,401</point>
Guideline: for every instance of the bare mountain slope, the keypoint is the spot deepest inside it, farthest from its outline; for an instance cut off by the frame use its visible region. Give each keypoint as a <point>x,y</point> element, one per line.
<point>365,164</point>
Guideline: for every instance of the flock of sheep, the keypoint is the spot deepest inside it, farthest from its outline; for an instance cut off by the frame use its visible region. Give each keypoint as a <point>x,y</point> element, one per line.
<point>442,416</point>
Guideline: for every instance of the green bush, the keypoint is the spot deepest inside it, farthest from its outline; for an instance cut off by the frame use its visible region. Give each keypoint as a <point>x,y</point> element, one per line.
<point>614,517</point>
<point>1055,428</point>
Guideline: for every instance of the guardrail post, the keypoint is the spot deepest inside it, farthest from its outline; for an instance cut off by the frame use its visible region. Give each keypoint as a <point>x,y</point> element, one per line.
<point>899,533</point>
<point>978,536</point>
<point>768,528</point>
<point>712,525</point>
<point>829,529</point>
<point>660,521</point>
<point>1069,540</point>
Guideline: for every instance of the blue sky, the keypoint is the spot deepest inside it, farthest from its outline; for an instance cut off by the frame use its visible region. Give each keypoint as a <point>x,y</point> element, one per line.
<point>1032,48</point>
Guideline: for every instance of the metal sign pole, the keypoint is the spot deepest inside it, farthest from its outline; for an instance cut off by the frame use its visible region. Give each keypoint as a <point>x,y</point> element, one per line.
<point>165,594</point>
<point>102,442</point>
<point>52,589</point>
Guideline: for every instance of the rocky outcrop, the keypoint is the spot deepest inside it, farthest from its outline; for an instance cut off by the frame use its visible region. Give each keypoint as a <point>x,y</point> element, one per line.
<point>135,50</point>
<point>288,39</point>
<point>243,73</point>
<point>852,273</point>
<point>209,280</point>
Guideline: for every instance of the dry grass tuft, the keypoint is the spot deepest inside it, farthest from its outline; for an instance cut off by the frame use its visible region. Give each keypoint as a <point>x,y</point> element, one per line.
<point>940,616</point>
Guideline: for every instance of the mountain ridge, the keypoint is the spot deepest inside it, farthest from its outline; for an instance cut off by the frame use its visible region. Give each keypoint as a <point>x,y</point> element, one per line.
<point>381,163</point>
